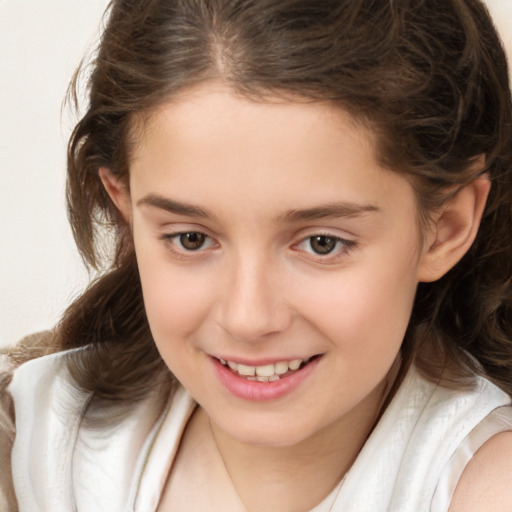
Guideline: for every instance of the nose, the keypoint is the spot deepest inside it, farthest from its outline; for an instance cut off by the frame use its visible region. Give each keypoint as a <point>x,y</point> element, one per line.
<point>253,302</point>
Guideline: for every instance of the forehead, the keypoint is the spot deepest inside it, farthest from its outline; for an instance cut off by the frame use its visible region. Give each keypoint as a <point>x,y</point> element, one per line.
<point>215,109</point>
<point>209,143</point>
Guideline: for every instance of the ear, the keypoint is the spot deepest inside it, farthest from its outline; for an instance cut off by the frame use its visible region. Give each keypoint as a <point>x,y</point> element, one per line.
<point>454,230</point>
<point>118,192</point>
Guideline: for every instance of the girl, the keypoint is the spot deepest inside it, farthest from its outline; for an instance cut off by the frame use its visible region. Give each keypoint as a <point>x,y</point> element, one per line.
<point>309,302</point>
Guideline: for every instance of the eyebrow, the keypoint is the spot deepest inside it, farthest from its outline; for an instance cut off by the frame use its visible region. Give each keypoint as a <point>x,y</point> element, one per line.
<point>176,207</point>
<point>329,210</point>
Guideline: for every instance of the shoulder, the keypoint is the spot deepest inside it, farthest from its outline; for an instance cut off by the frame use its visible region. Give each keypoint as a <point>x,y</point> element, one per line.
<point>451,427</point>
<point>30,347</point>
<point>43,393</point>
<point>485,483</point>
<point>7,495</point>
<point>10,360</point>
<point>47,409</point>
<point>44,369</point>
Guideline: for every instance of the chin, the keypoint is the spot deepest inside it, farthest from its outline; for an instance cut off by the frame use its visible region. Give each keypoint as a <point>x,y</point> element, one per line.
<point>266,432</point>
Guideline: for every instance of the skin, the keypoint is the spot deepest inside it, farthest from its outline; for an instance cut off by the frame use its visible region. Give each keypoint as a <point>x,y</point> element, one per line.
<point>485,483</point>
<point>259,180</point>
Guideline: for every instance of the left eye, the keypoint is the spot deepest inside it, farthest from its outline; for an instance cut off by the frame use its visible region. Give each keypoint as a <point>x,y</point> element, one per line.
<point>323,245</point>
<point>191,241</point>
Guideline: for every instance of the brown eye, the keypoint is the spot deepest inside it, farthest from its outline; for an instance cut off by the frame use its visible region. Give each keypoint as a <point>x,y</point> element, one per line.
<point>192,241</point>
<point>322,244</point>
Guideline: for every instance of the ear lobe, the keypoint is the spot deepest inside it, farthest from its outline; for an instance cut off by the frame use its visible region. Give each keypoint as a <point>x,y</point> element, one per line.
<point>455,230</point>
<point>118,192</point>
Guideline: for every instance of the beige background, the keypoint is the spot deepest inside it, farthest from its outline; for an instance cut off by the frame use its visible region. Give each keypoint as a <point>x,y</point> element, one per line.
<point>41,43</point>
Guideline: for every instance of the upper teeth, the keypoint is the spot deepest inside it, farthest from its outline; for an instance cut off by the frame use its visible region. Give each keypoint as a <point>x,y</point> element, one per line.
<point>266,372</point>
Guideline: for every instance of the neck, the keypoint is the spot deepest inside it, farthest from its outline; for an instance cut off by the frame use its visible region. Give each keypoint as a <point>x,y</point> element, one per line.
<point>299,476</point>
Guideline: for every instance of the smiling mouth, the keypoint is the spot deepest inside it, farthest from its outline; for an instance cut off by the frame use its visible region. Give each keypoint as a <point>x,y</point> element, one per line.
<point>268,372</point>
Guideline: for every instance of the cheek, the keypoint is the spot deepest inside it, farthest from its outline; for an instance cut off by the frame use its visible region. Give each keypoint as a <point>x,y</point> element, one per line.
<point>364,312</point>
<point>176,300</point>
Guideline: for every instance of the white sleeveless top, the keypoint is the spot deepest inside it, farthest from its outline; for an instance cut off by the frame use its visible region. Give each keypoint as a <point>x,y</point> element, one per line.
<point>411,462</point>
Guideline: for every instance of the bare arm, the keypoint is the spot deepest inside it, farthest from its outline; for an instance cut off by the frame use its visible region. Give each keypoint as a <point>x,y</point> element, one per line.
<point>486,484</point>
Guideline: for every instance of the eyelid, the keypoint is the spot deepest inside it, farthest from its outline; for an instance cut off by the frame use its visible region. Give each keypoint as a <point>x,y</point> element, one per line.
<point>347,246</point>
<point>170,239</point>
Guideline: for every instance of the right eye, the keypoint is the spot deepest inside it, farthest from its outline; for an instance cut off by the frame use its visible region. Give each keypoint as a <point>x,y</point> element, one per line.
<point>190,241</point>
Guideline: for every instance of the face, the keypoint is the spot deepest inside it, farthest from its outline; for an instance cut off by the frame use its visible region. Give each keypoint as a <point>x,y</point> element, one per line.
<point>271,243</point>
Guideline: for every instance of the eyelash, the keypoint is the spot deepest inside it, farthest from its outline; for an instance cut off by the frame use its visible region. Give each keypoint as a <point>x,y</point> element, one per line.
<point>171,241</point>
<point>340,248</point>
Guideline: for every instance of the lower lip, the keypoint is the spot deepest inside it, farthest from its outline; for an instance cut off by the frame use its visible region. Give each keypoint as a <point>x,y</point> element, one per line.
<point>261,391</point>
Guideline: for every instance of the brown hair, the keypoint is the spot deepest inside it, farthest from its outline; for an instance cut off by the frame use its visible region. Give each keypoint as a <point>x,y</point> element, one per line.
<point>428,76</point>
